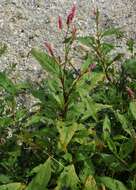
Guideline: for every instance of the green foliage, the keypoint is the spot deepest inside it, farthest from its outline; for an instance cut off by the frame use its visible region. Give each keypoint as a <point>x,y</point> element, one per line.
<point>48,63</point>
<point>12,186</point>
<point>66,133</point>
<point>130,67</point>
<point>133,109</point>
<point>112,184</point>
<point>2,49</point>
<point>81,134</point>
<point>112,31</point>
<point>42,177</point>
<point>68,178</point>
<point>7,84</point>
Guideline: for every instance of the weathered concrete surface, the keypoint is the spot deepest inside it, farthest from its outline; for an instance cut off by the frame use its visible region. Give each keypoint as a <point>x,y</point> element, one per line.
<point>28,23</point>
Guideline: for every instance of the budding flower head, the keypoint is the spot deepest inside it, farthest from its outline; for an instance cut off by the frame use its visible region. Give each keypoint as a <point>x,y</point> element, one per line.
<point>49,48</point>
<point>94,12</point>
<point>74,31</point>
<point>71,15</point>
<point>60,25</point>
<point>130,92</point>
<point>92,66</point>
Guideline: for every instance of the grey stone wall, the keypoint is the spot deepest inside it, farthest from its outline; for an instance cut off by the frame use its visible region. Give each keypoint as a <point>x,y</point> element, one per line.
<point>28,23</point>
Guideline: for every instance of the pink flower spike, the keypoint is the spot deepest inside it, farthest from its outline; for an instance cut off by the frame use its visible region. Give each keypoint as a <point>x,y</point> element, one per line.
<point>49,48</point>
<point>60,25</point>
<point>71,15</point>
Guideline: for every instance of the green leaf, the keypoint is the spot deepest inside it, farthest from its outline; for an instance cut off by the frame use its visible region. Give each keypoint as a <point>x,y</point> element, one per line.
<point>68,157</point>
<point>120,138</point>
<point>112,184</point>
<point>2,49</point>
<point>66,133</point>
<point>109,159</point>
<point>7,84</point>
<point>5,121</point>
<point>86,171</point>
<point>118,57</point>
<point>36,169</point>
<point>68,179</point>
<point>126,148</point>
<point>34,120</point>
<point>12,186</point>
<point>130,44</point>
<point>4,179</point>
<point>130,67</point>
<point>86,64</point>
<point>112,31</point>
<point>42,178</point>
<point>87,40</point>
<point>90,184</point>
<point>132,107</point>
<point>112,146</point>
<point>38,93</point>
<point>47,62</point>
<point>106,128</point>
<point>92,109</point>
<point>95,79</point>
<point>107,48</point>
<point>67,40</point>
<point>21,87</point>
<point>122,119</point>
<point>106,135</point>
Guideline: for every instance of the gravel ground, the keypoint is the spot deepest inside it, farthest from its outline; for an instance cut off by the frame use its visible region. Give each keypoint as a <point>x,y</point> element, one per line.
<point>28,23</point>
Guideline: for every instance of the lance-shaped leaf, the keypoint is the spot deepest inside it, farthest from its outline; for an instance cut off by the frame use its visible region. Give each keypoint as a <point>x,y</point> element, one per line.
<point>90,183</point>
<point>66,133</point>
<point>106,128</point>
<point>47,62</point>
<point>68,179</point>
<point>89,82</point>
<point>133,109</point>
<point>2,49</point>
<point>7,84</point>
<point>112,31</point>
<point>112,184</point>
<point>92,108</point>
<point>130,67</point>
<point>12,186</point>
<point>126,148</point>
<point>124,123</point>
<point>42,178</point>
<point>87,40</point>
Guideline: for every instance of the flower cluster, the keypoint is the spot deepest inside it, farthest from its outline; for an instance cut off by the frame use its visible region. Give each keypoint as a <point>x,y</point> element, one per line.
<point>70,18</point>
